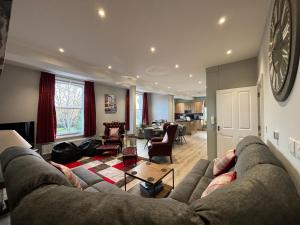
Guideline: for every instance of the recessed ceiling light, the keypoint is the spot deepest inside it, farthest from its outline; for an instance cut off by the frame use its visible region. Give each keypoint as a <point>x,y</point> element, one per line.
<point>199,82</point>
<point>191,75</point>
<point>156,83</point>
<point>169,87</point>
<point>61,50</point>
<point>176,66</point>
<point>137,76</point>
<point>101,13</point>
<point>109,67</point>
<point>229,52</point>
<point>152,49</point>
<point>222,20</point>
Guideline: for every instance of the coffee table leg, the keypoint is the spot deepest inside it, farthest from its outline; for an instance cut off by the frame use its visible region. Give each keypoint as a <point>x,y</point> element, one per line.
<point>173,178</point>
<point>125,180</point>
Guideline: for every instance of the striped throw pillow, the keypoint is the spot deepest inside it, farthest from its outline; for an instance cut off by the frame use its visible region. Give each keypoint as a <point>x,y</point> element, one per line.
<point>223,164</point>
<point>68,173</point>
<point>218,182</point>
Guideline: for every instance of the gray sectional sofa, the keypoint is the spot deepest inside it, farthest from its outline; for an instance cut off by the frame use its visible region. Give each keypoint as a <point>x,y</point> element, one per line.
<point>263,194</point>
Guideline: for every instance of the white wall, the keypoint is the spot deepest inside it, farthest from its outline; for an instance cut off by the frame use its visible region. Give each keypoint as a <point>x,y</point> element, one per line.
<point>284,116</point>
<point>160,107</point>
<point>19,93</point>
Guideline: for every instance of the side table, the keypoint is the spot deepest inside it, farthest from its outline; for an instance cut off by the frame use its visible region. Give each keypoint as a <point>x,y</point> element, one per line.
<point>129,156</point>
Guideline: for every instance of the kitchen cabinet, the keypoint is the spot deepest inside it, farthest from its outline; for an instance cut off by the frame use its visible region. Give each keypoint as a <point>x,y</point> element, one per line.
<point>198,107</point>
<point>179,108</point>
<point>193,107</point>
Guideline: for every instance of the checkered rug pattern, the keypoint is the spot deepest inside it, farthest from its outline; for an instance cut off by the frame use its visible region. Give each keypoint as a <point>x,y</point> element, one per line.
<point>109,168</point>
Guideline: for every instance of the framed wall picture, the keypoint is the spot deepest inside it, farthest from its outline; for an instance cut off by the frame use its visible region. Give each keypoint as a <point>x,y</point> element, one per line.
<point>110,103</point>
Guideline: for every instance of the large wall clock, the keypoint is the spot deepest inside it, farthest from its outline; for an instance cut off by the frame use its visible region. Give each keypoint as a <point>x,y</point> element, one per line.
<point>284,47</point>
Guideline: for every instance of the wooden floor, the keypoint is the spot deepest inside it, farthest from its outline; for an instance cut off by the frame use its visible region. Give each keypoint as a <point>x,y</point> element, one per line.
<point>185,157</point>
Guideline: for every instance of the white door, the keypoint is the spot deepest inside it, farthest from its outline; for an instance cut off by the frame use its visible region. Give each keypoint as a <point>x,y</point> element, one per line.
<point>237,116</point>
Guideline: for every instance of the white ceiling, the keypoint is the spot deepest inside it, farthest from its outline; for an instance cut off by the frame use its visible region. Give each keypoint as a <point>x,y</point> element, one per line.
<point>184,32</point>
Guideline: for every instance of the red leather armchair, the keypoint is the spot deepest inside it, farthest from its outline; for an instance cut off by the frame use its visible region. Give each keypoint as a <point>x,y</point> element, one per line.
<point>158,148</point>
<point>114,140</point>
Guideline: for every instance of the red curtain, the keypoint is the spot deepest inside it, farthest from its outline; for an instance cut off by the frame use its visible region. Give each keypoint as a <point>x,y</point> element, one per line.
<point>89,109</point>
<point>46,118</point>
<point>127,110</point>
<point>145,116</point>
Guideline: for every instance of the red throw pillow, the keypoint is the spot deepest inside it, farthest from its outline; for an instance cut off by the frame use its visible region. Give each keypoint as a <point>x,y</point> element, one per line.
<point>223,164</point>
<point>218,182</point>
<point>68,173</point>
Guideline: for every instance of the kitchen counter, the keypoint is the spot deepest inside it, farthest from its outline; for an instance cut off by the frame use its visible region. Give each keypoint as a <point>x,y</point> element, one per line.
<point>191,126</point>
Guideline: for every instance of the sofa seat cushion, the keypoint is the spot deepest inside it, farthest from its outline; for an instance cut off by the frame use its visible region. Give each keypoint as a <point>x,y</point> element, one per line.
<point>264,195</point>
<point>87,176</point>
<point>185,188</point>
<point>106,187</point>
<point>200,188</point>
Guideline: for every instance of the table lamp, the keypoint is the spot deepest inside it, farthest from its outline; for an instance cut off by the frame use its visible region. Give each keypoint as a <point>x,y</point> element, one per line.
<point>11,138</point>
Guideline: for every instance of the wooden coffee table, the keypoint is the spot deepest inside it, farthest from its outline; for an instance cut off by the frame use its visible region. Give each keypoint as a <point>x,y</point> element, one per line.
<point>151,173</point>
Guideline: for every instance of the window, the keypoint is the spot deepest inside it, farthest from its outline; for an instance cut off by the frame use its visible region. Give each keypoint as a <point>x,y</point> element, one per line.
<point>139,109</point>
<point>69,107</point>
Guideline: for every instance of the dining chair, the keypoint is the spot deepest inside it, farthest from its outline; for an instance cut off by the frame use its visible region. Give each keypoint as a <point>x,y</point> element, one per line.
<point>148,134</point>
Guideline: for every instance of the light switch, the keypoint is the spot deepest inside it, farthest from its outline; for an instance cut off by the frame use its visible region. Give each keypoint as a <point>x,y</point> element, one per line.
<point>292,146</point>
<point>276,135</point>
<point>297,150</point>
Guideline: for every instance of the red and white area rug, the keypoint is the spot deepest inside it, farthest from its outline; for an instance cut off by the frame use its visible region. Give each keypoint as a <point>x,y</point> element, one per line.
<point>109,168</point>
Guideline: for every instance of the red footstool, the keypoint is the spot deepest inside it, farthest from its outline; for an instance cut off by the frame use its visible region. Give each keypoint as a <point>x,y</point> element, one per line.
<point>108,148</point>
<point>129,156</point>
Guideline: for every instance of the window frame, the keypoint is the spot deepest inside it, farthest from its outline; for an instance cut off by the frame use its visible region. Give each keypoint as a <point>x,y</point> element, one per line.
<point>141,109</point>
<point>75,83</point>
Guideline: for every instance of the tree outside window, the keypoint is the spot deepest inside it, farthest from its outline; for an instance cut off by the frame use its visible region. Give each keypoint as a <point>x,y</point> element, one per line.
<point>69,107</point>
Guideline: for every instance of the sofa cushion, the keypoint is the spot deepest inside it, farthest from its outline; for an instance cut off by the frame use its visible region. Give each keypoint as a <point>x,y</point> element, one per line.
<point>209,170</point>
<point>26,172</point>
<point>253,155</point>
<point>106,187</point>
<point>219,182</point>
<point>185,188</point>
<point>61,205</point>
<point>15,152</point>
<point>82,183</point>
<point>264,195</point>
<point>245,142</point>
<point>200,188</point>
<point>87,176</point>
<point>224,163</point>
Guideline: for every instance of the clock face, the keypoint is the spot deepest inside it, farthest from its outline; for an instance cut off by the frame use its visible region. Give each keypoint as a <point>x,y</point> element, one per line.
<point>280,44</point>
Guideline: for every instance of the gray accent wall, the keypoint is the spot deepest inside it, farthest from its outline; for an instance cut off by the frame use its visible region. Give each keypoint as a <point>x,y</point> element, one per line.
<point>227,76</point>
<point>19,95</point>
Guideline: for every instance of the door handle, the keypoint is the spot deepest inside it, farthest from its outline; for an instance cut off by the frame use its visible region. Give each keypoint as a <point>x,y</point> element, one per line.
<point>218,128</point>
